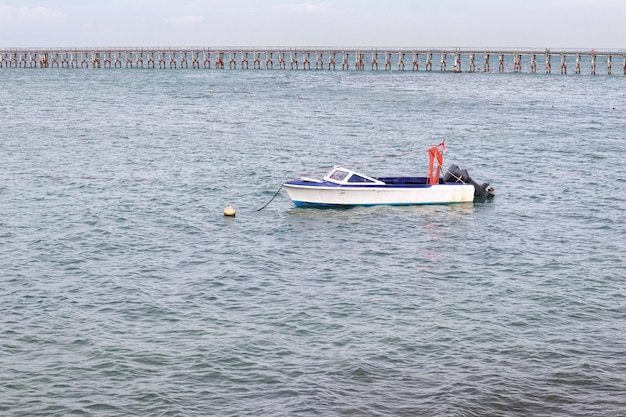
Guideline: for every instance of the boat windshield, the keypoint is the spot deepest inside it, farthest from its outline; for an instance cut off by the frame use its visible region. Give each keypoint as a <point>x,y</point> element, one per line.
<point>358,178</point>
<point>347,176</point>
<point>338,175</point>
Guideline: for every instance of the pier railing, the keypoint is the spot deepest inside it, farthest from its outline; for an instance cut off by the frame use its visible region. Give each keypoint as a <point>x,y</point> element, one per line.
<point>332,59</point>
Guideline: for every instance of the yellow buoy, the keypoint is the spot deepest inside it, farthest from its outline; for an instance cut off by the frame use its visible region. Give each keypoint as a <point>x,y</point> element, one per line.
<point>230,211</point>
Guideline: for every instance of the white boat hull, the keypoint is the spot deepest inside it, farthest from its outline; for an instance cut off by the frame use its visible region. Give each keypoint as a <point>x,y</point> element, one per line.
<point>316,195</point>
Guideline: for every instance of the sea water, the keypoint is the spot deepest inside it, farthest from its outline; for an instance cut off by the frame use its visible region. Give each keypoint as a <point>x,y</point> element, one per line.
<point>125,291</point>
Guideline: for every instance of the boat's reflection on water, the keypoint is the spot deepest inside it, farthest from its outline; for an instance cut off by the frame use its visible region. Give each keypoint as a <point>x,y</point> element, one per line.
<point>403,234</point>
<point>346,215</point>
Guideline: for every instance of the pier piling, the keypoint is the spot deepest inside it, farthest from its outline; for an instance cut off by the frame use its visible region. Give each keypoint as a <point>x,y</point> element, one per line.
<point>293,59</point>
<point>593,63</point>
<point>269,60</point>
<point>457,62</point>
<point>401,61</point>
<point>360,61</point>
<point>282,61</point>
<point>429,62</point>
<point>517,62</point>
<point>319,60</point>
<point>332,60</point>
<point>256,62</point>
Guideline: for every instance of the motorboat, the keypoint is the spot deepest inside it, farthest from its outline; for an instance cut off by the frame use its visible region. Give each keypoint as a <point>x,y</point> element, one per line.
<point>343,187</point>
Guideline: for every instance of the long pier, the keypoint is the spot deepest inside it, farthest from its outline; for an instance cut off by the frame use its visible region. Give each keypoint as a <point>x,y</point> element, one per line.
<point>331,59</point>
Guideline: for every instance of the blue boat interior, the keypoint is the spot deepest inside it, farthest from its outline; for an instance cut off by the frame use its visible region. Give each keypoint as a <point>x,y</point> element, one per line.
<point>391,181</point>
<point>407,180</point>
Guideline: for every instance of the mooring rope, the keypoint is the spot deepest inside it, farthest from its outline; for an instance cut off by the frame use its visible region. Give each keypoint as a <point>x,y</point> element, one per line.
<point>268,203</point>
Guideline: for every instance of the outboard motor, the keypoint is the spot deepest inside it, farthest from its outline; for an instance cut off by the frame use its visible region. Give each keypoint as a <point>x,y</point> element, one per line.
<point>456,174</point>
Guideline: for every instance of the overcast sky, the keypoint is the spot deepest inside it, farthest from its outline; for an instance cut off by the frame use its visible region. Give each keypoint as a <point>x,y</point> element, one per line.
<point>351,23</point>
